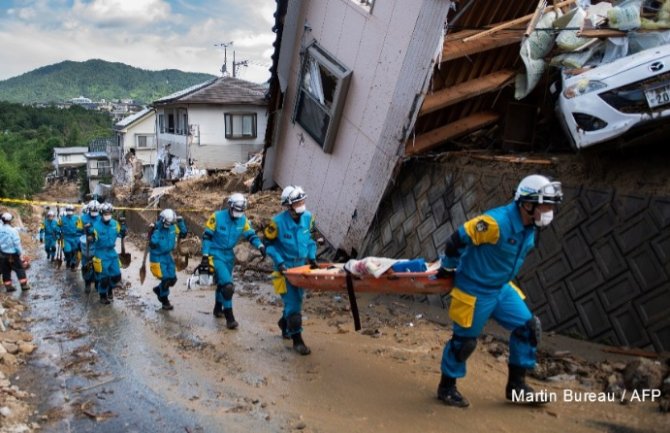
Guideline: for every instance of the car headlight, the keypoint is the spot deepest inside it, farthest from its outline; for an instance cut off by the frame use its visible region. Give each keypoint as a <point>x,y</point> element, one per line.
<point>583,87</point>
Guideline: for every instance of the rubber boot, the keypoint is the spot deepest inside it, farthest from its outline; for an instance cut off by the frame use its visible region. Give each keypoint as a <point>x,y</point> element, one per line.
<point>166,303</point>
<point>299,345</point>
<point>110,293</point>
<point>10,288</point>
<point>231,323</point>
<point>518,391</point>
<point>104,299</point>
<point>25,287</point>
<point>157,292</point>
<point>218,310</point>
<point>282,326</point>
<point>448,393</point>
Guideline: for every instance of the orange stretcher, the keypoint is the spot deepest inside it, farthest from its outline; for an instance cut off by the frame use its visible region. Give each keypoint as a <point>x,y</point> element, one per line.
<point>333,277</point>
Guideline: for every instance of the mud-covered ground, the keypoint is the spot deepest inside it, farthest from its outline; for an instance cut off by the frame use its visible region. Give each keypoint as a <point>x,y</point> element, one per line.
<point>132,367</point>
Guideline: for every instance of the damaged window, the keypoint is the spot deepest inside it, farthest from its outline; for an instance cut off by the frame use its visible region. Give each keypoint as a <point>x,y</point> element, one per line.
<point>322,91</point>
<point>240,125</point>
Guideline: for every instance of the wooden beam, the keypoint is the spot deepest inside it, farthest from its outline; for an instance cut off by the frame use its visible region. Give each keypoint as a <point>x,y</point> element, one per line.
<point>456,48</point>
<point>432,139</point>
<point>466,90</point>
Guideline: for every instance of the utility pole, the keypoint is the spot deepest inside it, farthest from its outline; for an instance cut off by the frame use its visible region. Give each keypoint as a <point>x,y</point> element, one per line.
<point>224,68</point>
<point>237,65</point>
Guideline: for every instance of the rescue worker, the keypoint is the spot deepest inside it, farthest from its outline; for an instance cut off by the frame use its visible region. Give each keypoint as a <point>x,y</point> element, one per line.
<point>487,253</point>
<point>222,232</point>
<point>90,214</point>
<point>106,260</point>
<point>71,229</point>
<point>50,234</point>
<point>163,239</point>
<point>10,254</point>
<point>290,244</point>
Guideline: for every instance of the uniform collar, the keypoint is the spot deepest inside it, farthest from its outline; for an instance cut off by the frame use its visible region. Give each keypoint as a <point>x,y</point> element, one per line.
<point>515,217</point>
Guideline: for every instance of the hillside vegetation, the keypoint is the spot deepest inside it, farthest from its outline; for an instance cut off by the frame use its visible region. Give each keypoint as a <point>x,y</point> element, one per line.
<point>95,79</point>
<point>28,136</point>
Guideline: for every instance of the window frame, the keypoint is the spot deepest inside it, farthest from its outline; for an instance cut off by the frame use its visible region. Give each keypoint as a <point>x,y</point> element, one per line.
<point>230,135</point>
<point>342,74</point>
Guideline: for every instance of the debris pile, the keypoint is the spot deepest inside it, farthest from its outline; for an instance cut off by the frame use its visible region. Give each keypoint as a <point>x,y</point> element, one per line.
<point>15,345</point>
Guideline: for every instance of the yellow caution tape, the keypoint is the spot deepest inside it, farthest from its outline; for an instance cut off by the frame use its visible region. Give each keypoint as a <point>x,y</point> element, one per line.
<point>79,205</point>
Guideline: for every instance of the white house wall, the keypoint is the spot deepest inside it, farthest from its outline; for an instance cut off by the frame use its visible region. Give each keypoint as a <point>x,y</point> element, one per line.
<point>390,53</point>
<point>212,150</point>
<point>145,126</point>
<point>71,160</point>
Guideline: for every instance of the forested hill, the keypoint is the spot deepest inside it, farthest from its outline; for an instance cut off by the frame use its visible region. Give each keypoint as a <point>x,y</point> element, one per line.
<point>96,79</point>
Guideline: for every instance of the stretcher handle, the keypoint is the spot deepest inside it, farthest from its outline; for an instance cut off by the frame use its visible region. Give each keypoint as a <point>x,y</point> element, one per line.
<point>352,301</point>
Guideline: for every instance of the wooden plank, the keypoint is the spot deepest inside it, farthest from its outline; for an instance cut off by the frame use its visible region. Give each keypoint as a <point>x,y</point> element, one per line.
<point>432,139</point>
<point>514,22</point>
<point>539,10</point>
<point>469,89</point>
<point>513,159</point>
<point>601,33</point>
<point>457,48</point>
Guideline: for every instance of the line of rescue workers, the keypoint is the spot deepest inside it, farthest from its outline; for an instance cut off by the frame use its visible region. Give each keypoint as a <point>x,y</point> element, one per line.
<point>483,256</point>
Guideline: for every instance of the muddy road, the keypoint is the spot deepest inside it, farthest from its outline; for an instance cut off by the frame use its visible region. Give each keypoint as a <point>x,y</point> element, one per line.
<point>131,367</point>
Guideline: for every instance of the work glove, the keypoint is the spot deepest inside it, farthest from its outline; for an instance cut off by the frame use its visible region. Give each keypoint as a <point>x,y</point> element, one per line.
<point>261,249</point>
<point>205,262</point>
<point>445,273</point>
<point>282,268</point>
<point>313,264</point>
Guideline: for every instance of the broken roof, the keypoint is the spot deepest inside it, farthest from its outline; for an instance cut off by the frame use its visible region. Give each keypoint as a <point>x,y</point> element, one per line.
<point>222,90</point>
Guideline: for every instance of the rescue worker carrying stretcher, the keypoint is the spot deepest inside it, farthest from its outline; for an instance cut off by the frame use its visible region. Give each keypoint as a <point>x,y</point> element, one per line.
<point>487,253</point>
<point>222,231</point>
<point>106,259</point>
<point>162,240</point>
<point>290,244</point>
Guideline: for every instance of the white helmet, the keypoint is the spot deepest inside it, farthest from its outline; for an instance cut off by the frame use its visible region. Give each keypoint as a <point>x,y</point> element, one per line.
<point>93,205</point>
<point>106,208</point>
<point>51,213</point>
<point>7,217</point>
<point>168,216</point>
<point>538,189</point>
<point>292,194</point>
<point>237,202</point>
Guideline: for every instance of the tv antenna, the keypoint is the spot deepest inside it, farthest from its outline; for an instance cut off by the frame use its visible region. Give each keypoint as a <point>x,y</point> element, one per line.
<point>224,68</point>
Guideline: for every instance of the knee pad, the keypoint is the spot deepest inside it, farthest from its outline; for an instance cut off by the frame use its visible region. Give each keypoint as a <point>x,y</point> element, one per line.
<point>463,347</point>
<point>226,291</point>
<point>531,331</point>
<point>294,321</point>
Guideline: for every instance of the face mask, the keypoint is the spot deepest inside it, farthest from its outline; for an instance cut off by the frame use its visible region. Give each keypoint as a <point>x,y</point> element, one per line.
<point>106,217</point>
<point>300,209</point>
<point>237,214</point>
<point>545,218</point>
<point>94,213</point>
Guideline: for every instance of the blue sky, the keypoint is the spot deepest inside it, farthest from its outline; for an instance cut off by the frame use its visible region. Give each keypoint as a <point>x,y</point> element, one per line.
<point>149,34</point>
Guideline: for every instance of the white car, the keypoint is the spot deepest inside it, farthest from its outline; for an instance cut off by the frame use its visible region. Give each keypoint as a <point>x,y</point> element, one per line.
<point>610,100</point>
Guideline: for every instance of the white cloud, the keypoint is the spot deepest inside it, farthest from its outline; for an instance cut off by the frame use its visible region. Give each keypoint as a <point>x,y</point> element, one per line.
<point>122,12</point>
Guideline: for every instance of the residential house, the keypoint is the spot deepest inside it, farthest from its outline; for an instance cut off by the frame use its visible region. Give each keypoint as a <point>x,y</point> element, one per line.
<point>210,126</point>
<point>136,135</point>
<point>348,81</point>
<point>102,160</point>
<point>68,160</point>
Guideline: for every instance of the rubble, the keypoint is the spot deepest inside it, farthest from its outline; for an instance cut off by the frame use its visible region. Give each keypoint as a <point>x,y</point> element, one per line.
<point>15,345</point>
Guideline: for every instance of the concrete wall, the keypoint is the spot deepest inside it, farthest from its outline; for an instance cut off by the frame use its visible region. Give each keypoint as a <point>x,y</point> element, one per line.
<point>601,271</point>
<point>390,52</point>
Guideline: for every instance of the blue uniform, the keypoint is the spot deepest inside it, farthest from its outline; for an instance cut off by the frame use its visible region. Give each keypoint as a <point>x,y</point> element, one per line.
<point>222,232</point>
<point>50,234</point>
<point>106,260</point>
<point>162,242</point>
<point>71,230</point>
<point>495,246</point>
<point>86,222</point>
<point>290,243</point>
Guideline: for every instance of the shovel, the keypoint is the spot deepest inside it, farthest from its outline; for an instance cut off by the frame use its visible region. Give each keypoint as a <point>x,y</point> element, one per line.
<point>143,268</point>
<point>59,254</point>
<point>124,257</point>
